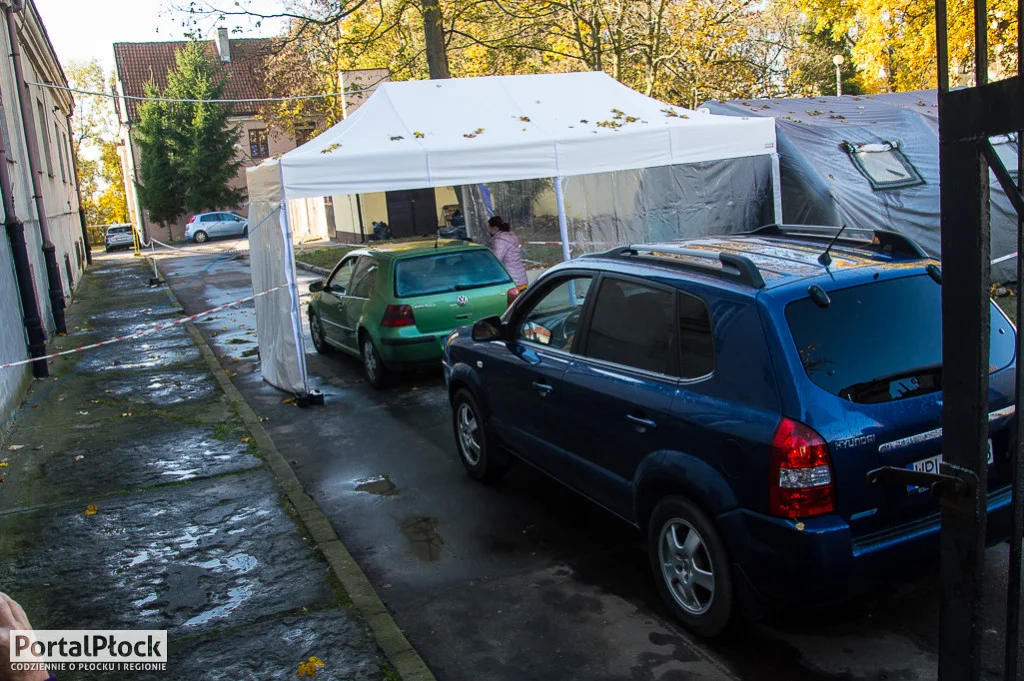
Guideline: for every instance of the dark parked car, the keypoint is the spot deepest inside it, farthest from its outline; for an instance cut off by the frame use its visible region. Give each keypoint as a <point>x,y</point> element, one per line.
<point>729,396</point>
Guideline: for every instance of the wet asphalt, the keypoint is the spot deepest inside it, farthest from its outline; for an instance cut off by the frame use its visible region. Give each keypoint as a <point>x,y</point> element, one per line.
<point>524,579</point>
<point>134,498</point>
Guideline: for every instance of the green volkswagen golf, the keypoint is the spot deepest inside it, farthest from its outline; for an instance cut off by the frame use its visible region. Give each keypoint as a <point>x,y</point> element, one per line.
<point>394,305</point>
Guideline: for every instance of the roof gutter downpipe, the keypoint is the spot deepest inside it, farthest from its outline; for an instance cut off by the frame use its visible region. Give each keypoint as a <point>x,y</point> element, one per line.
<point>57,303</point>
<point>22,271</point>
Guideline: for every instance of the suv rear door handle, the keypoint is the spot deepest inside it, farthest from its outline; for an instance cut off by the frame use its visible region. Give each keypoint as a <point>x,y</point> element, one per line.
<point>543,388</point>
<point>641,424</point>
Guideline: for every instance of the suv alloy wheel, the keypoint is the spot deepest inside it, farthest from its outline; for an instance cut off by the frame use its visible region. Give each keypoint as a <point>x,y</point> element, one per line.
<point>691,566</point>
<point>477,451</point>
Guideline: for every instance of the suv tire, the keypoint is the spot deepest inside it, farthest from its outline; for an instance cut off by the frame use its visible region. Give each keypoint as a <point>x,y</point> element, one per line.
<point>478,452</point>
<point>691,566</point>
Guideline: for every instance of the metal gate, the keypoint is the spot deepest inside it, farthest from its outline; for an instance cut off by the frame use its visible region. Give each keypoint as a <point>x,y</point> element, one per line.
<point>968,118</point>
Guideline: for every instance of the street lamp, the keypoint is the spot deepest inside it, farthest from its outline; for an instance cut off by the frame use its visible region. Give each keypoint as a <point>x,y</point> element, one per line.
<point>838,61</point>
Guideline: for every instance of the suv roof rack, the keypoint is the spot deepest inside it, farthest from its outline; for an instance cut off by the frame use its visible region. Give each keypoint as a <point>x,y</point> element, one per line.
<point>737,268</point>
<point>887,241</point>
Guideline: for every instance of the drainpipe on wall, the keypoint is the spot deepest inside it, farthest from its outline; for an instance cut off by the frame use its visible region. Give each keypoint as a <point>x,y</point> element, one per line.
<point>22,271</point>
<point>78,191</point>
<point>57,303</point>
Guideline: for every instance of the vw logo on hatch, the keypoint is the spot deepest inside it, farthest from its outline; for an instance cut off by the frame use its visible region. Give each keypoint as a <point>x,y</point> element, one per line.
<point>462,301</point>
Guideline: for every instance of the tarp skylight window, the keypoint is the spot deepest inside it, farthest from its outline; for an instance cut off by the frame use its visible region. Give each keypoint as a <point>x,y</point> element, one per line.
<point>883,164</point>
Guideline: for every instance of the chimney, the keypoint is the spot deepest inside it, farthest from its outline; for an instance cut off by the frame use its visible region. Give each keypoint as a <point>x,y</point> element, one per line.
<point>223,44</point>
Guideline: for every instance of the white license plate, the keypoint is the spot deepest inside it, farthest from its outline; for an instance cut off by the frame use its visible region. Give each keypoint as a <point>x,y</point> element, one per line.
<point>933,464</point>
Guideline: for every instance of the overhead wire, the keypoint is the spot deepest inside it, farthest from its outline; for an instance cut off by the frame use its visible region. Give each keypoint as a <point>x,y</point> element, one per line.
<point>202,101</point>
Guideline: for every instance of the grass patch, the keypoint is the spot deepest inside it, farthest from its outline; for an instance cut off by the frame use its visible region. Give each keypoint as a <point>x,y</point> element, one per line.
<point>222,432</point>
<point>388,673</point>
<point>325,257</point>
<point>1009,306</point>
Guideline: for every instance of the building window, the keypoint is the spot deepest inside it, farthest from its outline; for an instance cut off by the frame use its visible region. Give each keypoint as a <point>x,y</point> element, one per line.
<point>883,164</point>
<point>303,135</point>
<point>60,153</point>
<point>258,147</point>
<point>45,134</point>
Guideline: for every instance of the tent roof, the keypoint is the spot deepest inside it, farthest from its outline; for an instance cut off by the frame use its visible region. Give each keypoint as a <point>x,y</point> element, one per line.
<point>838,112</point>
<point>420,134</point>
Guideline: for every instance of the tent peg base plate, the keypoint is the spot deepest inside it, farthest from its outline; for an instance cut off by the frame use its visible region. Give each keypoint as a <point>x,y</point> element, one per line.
<point>314,398</point>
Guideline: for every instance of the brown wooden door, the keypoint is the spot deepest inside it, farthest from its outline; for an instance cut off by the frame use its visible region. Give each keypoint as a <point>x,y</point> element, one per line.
<point>412,212</point>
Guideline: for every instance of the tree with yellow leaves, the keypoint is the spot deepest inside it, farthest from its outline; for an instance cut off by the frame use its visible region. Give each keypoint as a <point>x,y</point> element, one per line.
<point>893,41</point>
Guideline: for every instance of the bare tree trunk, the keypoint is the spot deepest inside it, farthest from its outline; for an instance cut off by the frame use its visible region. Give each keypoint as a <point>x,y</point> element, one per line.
<point>437,54</point>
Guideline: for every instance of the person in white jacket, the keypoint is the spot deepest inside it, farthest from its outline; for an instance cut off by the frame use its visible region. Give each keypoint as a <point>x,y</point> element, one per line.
<point>505,245</point>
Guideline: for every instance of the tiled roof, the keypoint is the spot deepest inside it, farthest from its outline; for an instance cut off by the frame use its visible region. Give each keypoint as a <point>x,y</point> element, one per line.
<point>138,63</point>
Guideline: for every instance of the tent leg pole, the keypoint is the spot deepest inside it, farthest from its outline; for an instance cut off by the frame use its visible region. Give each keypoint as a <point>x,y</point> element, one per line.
<point>563,224</point>
<point>777,189</point>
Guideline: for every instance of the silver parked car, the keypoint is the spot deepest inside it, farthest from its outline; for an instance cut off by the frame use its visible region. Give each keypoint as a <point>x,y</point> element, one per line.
<point>212,225</point>
<point>119,236</point>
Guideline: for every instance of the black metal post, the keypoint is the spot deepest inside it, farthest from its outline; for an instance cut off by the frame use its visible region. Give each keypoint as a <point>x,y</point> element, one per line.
<point>1011,663</point>
<point>78,192</point>
<point>53,278</point>
<point>965,349</point>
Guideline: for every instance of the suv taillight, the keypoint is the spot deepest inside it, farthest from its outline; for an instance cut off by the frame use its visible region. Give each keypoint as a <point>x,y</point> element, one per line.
<point>192,219</point>
<point>398,315</point>
<point>800,473</point>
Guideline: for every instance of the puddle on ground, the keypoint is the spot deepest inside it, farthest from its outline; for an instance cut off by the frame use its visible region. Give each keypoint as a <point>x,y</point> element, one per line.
<point>424,540</point>
<point>380,484</point>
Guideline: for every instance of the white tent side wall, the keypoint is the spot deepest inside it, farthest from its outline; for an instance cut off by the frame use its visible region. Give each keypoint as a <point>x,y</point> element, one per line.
<point>278,324</point>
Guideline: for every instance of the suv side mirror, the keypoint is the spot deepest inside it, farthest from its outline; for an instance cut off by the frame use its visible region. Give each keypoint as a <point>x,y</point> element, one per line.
<point>316,287</point>
<point>488,329</point>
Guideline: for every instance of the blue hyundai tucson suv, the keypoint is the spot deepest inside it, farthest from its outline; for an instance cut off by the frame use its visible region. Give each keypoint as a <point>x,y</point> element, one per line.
<point>729,396</point>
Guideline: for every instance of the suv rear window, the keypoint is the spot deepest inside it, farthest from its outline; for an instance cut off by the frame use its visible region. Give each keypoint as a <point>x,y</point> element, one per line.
<point>446,272</point>
<point>119,230</point>
<point>882,342</point>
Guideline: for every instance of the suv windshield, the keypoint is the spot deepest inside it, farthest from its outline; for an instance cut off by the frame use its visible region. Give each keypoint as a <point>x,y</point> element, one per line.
<point>882,342</point>
<point>445,272</point>
<point>119,230</point>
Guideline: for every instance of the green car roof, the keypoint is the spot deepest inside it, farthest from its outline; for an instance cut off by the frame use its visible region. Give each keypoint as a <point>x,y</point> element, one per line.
<point>408,249</point>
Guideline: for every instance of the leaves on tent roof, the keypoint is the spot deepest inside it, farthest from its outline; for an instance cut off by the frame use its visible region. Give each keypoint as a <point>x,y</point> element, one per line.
<point>473,134</point>
<point>395,138</point>
<point>524,119</point>
<point>327,150</point>
<point>418,135</point>
<point>671,113</point>
<point>584,120</point>
<point>612,125</point>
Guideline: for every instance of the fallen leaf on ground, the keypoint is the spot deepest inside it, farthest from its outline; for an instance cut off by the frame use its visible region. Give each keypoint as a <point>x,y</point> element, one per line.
<point>289,400</point>
<point>83,413</point>
<point>4,464</point>
<point>79,457</point>
<point>309,667</point>
<point>246,438</point>
<point>125,414</point>
<point>15,448</point>
<point>91,509</point>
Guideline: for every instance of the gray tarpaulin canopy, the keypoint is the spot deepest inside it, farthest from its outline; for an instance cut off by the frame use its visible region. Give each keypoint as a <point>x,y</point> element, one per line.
<point>872,161</point>
<point>576,128</point>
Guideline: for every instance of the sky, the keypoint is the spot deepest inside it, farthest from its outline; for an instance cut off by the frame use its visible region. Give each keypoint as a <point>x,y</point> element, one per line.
<point>84,29</point>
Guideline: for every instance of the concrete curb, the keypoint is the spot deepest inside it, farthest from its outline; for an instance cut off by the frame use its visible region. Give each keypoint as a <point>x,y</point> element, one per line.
<point>403,657</point>
<point>312,268</point>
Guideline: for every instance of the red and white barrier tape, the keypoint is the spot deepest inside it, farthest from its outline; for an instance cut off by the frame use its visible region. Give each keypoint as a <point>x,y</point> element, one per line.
<point>575,243</point>
<point>144,332</point>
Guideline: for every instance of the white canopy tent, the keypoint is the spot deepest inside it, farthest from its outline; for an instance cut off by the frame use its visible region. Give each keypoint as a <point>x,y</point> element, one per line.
<point>423,134</point>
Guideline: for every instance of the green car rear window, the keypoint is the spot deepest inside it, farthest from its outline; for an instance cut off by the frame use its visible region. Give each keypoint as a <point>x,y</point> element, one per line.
<point>446,272</point>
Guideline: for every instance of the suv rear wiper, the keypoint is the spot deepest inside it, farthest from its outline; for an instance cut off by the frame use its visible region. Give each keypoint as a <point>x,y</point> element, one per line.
<point>880,386</point>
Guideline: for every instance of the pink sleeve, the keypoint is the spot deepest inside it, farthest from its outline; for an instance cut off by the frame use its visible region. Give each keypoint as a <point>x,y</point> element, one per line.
<point>501,246</point>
